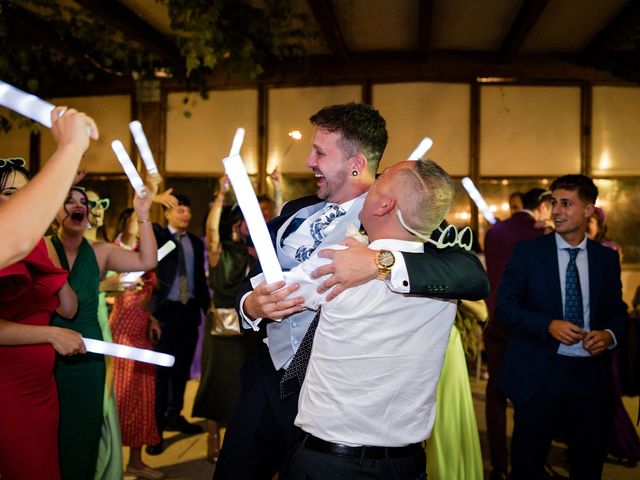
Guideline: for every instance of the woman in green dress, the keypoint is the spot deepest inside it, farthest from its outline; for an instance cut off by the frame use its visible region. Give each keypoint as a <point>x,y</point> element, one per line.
<point>453,450</point>
<point>81,380</point>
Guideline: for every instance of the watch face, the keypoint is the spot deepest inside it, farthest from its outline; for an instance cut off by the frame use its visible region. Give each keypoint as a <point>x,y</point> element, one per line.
<point>386,258</point>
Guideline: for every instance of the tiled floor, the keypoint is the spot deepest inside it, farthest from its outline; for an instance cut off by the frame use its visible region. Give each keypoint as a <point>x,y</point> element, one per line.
<point>184,457</point>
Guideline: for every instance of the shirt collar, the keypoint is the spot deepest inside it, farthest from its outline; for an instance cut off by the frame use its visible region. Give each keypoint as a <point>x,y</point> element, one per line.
<point>349,203</point>
<point>174,231</point>
<point>398,245</point>
<point>562,244</point>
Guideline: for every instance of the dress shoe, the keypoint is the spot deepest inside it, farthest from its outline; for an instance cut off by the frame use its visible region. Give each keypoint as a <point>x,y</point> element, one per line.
<point>498,475</point>
<point>155,449</point>
<point>145,472</point>
<point>179,424</point>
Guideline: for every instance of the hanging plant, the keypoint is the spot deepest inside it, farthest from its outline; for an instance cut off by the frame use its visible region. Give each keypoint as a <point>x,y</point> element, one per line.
<point>48,47</point>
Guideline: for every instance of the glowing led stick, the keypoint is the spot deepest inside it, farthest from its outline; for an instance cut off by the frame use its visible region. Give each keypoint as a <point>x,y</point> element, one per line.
<point>237,142</point>
<point>129,169</point>
<point>253,216</point>
<point>473,192</point>
<point>125,351</point>
<point>143,146</point>
<point>163,251</point>
<point>26,104</point>
<point>422,148</point>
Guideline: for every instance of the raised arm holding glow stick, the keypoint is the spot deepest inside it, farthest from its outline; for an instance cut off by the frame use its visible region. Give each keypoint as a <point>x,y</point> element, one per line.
<point>129,168</point>
<point>475,195</point>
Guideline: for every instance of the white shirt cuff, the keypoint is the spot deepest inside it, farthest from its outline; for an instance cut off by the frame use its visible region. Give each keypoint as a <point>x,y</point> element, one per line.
<point>246,321</point>
<point>399,281</point>
<point>614,342</point>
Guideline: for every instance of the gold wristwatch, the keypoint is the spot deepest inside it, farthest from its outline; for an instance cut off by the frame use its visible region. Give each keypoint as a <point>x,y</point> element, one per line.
<point>384,262</point>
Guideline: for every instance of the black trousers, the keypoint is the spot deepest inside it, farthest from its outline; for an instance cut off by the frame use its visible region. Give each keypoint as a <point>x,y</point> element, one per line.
<point>179,325</point>
<point>260,433</point>
<point>576,401</point>
<point>307,464</point>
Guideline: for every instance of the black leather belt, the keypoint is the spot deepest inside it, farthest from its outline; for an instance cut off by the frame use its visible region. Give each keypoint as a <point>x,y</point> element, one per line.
<point>319,445</point>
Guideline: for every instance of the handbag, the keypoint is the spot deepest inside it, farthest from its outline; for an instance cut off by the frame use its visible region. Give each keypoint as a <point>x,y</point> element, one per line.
<point>224,322</point>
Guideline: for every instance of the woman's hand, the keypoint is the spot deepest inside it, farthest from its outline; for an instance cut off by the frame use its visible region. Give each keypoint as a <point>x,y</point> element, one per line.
<point>142,206</point>
<point>66,342</point>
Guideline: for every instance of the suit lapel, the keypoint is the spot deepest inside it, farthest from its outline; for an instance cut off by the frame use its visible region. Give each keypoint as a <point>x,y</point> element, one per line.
<point>549,263</point>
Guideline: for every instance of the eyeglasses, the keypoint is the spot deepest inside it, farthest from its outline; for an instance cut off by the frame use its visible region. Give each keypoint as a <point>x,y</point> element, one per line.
<point>103,202</point>
<point>15,161</point>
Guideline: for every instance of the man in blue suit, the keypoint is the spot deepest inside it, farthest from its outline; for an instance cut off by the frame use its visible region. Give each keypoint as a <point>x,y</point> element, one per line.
<point>561,296</point>
<point>348,143</point>
<point>180,296</point>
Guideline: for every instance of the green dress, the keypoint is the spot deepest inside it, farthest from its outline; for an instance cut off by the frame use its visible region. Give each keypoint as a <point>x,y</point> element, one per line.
<point>80,378</point>
<point>453,450</point>
<point>109,465</point>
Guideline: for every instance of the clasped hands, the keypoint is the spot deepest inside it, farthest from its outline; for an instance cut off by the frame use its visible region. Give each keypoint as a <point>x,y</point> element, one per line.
<point>350,267</point>
<point>595,342</point>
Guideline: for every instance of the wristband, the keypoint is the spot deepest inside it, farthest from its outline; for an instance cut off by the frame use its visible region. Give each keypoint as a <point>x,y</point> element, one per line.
<point>144,221</point>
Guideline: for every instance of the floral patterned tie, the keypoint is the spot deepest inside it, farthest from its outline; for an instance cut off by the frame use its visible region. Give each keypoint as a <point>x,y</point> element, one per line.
<point>329,214</point>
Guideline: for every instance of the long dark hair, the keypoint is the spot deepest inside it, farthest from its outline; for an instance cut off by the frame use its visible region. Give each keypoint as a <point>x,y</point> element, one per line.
<point>9,166</point>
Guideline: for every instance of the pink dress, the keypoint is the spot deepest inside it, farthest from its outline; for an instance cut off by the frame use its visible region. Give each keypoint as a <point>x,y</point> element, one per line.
<point>29,409</point>
<point>134,382</point>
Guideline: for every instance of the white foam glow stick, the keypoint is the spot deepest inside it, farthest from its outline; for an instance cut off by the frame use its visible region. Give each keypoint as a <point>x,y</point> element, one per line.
<point>28,105</point>
<point>248,202</point>
<point>238,138</point>
<point>25,104</point>
<point>423,147</point>
<point>162,252</point>
<point>143,146</point>
<point>129,169</point>
<point>132,353</point>
<point>473,192</point>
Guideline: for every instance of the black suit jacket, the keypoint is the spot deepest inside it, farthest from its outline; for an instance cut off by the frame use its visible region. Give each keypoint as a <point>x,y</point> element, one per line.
<point>443,273</point>
<point>167,270</point>
<point>529,297</point>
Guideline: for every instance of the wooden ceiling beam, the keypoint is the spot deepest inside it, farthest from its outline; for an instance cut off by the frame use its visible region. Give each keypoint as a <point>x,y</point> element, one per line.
<point>525,20</point>
<point>623,25</point>
<point>121,18</point>
<point>425,21</point>
<point>325,15</point>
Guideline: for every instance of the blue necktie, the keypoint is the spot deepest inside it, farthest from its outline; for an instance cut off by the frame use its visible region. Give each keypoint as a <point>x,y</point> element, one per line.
<point>573,311</point>
<point>329,214</point>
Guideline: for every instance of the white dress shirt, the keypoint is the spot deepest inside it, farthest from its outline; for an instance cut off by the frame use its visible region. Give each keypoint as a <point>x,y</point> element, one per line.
<point>284,337</point>
<point>582,263</point>
<point>375,362</point>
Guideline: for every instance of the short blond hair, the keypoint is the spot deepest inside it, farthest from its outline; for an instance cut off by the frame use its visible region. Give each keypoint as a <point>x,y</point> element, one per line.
<point>425,194</point>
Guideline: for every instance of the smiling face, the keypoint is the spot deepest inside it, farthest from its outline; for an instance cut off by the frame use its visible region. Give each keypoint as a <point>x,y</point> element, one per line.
<point>14,181</point>
<point>74,212</point>
<point>570,214</point>
<point>330,167</point>
<point>178,217</point>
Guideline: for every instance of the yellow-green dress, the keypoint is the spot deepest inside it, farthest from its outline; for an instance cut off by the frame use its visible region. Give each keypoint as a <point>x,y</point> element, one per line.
<point>80,378</point>
<point>453,450</point>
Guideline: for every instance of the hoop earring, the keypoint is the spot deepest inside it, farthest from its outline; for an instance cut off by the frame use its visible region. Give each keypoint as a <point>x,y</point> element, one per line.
<point>354,173</point>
